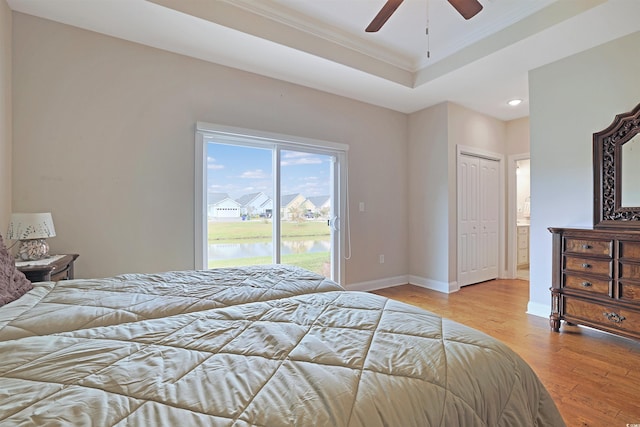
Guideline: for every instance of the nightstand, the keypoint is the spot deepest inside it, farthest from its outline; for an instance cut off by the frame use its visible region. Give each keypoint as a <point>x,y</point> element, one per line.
<point>57,267</point>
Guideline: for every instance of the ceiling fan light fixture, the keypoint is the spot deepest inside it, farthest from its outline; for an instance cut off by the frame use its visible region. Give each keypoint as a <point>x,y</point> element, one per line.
<point>467,8</point>
<point>515,102</point>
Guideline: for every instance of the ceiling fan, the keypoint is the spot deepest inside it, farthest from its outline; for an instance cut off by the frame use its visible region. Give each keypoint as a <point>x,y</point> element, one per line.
<point>467,8</point>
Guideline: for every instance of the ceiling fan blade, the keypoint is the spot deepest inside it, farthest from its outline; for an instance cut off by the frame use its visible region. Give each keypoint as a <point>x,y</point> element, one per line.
<point>467,8</point>
<point>387,10</point>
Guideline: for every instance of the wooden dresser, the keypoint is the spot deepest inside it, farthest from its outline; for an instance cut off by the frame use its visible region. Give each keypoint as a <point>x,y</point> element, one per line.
<point>596,279</point>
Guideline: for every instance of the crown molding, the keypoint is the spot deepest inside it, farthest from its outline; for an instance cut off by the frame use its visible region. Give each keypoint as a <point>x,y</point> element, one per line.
<point>285,16</point>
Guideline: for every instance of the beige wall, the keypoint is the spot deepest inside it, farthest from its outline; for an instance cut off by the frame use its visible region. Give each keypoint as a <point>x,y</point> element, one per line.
<point>472,129</point>
<point>429,208</point>
<point>435,133</point>
<point>104,139</point>
<point>570,100</point>
<point>518,136</point>
<point>5,116</point>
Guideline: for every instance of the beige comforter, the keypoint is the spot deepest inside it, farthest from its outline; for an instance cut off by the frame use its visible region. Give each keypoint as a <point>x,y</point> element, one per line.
<point>259,346</point>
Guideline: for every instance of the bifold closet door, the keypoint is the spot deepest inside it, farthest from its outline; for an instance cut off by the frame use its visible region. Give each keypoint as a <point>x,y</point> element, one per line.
<point>478,215</point>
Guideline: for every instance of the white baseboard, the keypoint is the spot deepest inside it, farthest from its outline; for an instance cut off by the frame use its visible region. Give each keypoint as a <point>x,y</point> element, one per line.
<point>445,287</point>
<point>389,282</point>
<point>378,284</point>
<point>537,309</point>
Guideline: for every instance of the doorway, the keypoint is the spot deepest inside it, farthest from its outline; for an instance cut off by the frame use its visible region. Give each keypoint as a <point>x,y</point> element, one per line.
<point>479,200</point>
<point>523,217</point>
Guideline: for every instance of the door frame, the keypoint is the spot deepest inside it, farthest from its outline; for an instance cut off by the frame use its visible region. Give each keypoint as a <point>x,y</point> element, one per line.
<point>512,212</point>
<point>338,191</point>
<point>479,152</point>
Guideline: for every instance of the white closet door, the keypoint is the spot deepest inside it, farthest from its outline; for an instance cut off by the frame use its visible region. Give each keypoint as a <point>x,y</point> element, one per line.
<point>478,215</point>
<point>468,218</point>
<point>489,211</point>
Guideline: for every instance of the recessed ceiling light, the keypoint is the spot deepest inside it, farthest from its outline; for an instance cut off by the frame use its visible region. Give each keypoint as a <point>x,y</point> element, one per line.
<point>514,102</point>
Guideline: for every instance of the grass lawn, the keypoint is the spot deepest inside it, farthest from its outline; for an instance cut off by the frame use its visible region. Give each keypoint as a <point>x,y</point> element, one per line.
<point>221,232</point>
<point>315,261</point>
<point>232,232</point>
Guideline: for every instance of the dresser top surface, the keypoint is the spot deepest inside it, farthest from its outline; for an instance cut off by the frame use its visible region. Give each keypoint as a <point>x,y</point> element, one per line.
<point>616,233</point>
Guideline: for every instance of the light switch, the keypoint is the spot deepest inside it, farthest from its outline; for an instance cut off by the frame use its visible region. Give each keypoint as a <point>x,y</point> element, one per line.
<point>361,206</point>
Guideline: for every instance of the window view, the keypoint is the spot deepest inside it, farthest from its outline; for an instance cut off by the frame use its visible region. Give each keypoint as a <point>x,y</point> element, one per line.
<point>239,205</point>
<point>241,209</point>
<point>305,209</point>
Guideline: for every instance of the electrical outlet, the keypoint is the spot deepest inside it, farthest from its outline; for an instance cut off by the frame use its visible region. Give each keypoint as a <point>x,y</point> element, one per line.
<point>381,259</point>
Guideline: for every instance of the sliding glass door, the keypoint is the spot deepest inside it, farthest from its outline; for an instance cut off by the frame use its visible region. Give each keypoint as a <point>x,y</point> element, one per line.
<point>239,205</point>
<point>305,232</point>
<point>269,200</point>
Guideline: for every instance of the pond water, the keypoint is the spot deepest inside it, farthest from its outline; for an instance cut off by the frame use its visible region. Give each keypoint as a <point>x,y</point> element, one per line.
<point>223,251</point>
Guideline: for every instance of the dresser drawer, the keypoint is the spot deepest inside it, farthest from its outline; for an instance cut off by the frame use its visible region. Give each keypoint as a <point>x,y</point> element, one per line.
<point>610,317</point>
<point>629,250</point>
<point>596,286</point>
<point>602,248</point>
<point>600,267</point>
<point>629,292</point>
<point>629,271</point>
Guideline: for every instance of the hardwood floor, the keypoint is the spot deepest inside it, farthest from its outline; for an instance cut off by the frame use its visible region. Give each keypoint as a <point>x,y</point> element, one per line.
<point>594,377</point>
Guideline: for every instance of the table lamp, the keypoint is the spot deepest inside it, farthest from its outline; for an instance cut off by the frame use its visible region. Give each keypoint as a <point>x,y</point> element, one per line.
<point>31,229</point>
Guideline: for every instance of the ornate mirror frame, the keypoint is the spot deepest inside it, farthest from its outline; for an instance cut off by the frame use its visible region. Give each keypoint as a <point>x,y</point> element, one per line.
<point>608,211</point>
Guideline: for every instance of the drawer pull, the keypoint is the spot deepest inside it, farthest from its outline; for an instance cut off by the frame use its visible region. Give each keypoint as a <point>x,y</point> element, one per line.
<point>585,265</point>
<point>614,317</point>
<point>585,246</point>
<point>586,284</point>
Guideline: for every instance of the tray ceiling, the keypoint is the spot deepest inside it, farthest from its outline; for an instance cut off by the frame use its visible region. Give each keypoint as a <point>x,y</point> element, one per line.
<point>481,63</point>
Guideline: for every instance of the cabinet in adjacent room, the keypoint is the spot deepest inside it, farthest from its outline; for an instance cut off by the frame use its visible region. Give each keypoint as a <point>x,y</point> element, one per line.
<point>523,246</point>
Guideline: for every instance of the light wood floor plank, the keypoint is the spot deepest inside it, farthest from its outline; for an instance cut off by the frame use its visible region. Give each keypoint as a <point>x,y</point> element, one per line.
<point>594,377</point>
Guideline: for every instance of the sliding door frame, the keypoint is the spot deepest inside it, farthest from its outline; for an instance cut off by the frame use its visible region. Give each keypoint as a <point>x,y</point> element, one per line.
<point>276,142</point>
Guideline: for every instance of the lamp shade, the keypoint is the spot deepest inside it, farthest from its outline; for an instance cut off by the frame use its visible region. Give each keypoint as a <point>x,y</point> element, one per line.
<point>26,226</point>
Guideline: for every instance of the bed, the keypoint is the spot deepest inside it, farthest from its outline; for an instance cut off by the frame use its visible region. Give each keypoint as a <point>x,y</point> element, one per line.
<point>257,346</point>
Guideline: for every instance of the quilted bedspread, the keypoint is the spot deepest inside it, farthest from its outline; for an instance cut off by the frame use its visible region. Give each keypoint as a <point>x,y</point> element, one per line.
<point>258,346</point>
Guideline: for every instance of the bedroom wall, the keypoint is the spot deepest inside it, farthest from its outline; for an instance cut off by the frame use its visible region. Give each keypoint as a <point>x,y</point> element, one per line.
<point>434,135</point>
<point>429,198</point>
<point>570,100</point>
<point>472,129</point>
<point>104,139</point>
<point>517,136</point>
<point>5,116</point>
